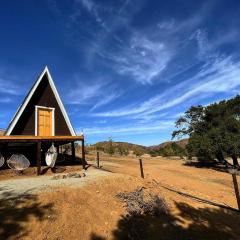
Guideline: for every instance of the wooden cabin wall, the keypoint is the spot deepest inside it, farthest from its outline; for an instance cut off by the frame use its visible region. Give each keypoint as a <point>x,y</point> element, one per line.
<point>43,96</point>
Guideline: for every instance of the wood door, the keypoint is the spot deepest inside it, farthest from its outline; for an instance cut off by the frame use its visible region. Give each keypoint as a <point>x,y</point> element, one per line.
<point>45,120</point>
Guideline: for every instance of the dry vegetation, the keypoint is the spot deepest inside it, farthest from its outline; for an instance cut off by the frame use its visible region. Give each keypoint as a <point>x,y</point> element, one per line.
<point>95,212</point>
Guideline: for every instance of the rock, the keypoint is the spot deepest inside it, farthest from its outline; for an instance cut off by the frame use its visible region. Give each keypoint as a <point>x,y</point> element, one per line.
<point>64,176</point>
<point>73,175</point>
<point>56,177</point>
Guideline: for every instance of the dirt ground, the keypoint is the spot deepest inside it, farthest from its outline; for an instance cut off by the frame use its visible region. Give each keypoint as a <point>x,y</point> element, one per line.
<point>92,211</point>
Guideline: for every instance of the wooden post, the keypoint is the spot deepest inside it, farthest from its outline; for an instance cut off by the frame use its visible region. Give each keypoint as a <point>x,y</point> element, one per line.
<point>98,160</point>
<point>5,150</point>
<point>73,152</point>
<point>83,154</point>
<point>235,184</point>
<point>39,146</point>
<point>141,168</point>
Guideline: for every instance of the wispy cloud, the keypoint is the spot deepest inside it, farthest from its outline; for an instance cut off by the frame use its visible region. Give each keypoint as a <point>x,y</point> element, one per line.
<point>171,62</point>
<point>143,59</point>
<point>95,94</point>
<point>105,100</point>
<point>130,129</point>
<point>167,24</point>
<point>83,93</point>
<point>220,77</point>
<point>93,9</point>
<point>145,55</point>
<point>9,87</point>
<point>5,100</point>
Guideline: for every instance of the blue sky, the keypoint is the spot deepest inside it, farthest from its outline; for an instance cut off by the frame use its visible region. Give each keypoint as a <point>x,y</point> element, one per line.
<point>125,69</point>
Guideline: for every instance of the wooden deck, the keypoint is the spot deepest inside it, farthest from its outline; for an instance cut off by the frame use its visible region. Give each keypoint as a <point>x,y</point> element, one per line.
<point>21,138</point>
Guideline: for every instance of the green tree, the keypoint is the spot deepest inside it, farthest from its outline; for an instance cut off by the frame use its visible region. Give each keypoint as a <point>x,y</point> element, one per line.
<point>214,131</point>
<point>121,150</point>
<point>110,148</point>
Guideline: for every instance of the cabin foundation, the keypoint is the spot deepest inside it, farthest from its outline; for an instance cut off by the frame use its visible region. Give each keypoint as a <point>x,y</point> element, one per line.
<point>38,143</point>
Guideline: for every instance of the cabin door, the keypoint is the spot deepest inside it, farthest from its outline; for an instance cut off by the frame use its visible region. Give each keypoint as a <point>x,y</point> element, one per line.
<point>45,122</point>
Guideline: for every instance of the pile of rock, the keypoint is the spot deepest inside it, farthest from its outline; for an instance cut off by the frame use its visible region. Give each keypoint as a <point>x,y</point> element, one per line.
<point>68,175</point>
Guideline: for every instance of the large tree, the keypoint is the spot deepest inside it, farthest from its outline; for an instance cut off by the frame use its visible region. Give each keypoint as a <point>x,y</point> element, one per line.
<point>214,130</point>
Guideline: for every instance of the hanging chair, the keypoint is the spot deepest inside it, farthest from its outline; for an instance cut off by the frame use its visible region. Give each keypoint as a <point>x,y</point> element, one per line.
<point>2,160</point>
<point>51,156</point>
<point>18,162</point>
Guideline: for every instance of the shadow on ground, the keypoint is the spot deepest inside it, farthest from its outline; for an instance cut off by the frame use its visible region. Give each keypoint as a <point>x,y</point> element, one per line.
<point>203,223</point>
<point>217,166</point>
<point>15,210</point>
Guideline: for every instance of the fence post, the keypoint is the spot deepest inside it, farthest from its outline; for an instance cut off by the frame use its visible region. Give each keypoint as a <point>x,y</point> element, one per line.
<point>83,154</point>
<point>141,168</point>
<point>98,166</point>
<point>235,184</point>
<point>39,146</point>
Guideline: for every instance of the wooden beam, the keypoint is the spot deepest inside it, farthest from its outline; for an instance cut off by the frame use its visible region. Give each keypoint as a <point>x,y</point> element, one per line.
<point>73,152</point>
<point>83,154</point>
<point>23,138</point>
<point>39,146</point>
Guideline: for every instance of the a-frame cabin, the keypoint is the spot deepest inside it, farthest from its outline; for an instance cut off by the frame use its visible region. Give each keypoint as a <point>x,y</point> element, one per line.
<point>41,120</point>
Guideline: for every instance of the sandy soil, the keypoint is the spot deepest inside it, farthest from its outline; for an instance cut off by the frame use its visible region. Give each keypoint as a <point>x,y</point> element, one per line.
<point>91,210</point>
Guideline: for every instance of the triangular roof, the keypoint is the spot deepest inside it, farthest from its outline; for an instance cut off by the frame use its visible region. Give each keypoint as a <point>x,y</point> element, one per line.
<point>28,98</point>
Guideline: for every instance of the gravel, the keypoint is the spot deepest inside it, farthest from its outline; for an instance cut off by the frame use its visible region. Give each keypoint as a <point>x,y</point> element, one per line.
<point>48,183</point>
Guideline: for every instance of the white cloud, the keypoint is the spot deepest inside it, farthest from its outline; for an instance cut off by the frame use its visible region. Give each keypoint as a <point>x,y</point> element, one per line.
<point>130,129</point>
<point>5,100</point>
<point>107,99</point>
<point>8,87</point>
<point>95,94</point>
<point>221,76</point>
<point>142,59</point>
<point>88,4</point>
<point>93,9</point>
<point>83,93</point>
<point>167,24</point>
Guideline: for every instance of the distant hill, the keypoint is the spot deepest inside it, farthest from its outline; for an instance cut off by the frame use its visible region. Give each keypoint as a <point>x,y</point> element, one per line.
<point>121,147</point>
<point>182,143</point>
<point>126,148</point>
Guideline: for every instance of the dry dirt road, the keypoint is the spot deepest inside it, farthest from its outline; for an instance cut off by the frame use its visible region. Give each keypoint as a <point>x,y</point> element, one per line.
<point>92,211</point>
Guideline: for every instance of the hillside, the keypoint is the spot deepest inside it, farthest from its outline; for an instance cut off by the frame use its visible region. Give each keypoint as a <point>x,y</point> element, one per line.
<point>121,147</point>
<point>124,148</point>
<point>182,143</point>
